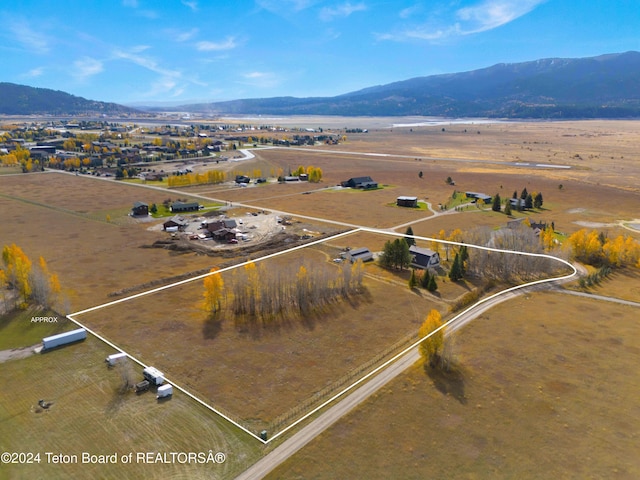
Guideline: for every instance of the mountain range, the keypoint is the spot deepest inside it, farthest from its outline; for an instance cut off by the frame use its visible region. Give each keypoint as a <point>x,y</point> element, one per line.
<point>607,86</point>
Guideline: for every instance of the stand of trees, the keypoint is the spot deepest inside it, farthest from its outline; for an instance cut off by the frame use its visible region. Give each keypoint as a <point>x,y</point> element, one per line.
<point>395,254</point>
<point>34,284</point>
<point>257,293</point>
<point>597,249</point>
<point>507,267</point>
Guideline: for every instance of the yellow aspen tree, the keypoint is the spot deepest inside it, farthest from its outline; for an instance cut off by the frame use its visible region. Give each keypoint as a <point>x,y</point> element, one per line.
<point>213,292</point>
<point>431,347</point>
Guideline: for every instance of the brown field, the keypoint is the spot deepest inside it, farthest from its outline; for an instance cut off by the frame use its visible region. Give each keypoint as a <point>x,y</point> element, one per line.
<point>262,374</point>
<point>546,393</point>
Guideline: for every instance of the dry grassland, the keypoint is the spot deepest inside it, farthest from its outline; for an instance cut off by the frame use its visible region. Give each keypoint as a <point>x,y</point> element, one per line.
<point>260,373</point>
<point>89,415</point>
<point>543,391</point>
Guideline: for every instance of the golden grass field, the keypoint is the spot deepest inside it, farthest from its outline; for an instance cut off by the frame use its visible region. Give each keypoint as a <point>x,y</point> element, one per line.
<point>260,376</point>
<point>542,391</point>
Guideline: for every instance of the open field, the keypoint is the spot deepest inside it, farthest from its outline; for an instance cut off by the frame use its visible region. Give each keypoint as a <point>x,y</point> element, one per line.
<point>88,414</point>
<point>545,393</point>
<point>262,374</point>
<point>280,364</point>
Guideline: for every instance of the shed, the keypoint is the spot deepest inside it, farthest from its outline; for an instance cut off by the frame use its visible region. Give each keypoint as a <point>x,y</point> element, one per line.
<point>404,201</point>
<point>176,222</point>
<point>360,182</point>
<point>140,209</point>
<point>479,196</point>
<point>184,206</point>
<point>423,257</point>
<point>359,254</point>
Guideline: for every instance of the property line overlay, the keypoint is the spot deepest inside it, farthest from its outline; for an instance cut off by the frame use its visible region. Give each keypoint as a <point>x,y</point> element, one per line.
<point>344,391</point>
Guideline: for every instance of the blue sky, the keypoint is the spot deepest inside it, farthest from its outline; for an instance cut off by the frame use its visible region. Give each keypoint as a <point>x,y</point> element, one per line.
<point>137,51</point>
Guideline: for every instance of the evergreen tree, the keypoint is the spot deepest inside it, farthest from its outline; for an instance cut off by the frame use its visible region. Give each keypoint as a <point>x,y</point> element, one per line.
<point>464,256</point>
<point>507,208</point>
<point>424,280</point>
<point>537,200</point>
<point>433,285</point>
<point>410,241</point>
<point>413,281</point>
<point>524,193</point>
<point>528,202</point>
<point>496,203</point>
<point>515,194</point>
<point>455,273</point>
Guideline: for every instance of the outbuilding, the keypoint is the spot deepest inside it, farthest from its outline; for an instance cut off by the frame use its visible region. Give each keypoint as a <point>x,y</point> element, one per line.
<point>365,183</point>
<point>404,201</point>
<point>185,206</point>
<point>174,224</point>
<point>359,254</point>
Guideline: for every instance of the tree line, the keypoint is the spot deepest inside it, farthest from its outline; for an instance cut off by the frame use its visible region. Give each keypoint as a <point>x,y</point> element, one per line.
<point>258,294</point>
<point>33,283</point>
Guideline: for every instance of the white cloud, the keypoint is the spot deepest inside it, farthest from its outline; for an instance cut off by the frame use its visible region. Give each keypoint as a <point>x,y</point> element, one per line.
<point>410,11</point>
<point>491,14</point>
<point>183,36</point>
<point>227,44</point>
<point>87,67</point>
<point>260,79</point>
<point>30,39</point>
<point>35,72</point>
<point>145,62</point>
<point>192,5</point>
<point>481,17</point>
<point>341,11</point>
<point>280,6</point>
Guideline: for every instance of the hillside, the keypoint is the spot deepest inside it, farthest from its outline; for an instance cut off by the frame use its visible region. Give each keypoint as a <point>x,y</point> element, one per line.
<point>606,86</point>
<point>23,100</point>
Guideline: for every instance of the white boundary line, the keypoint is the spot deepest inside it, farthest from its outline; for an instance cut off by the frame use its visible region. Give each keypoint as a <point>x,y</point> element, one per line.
<point>414,345</point>
<point>365,377</point>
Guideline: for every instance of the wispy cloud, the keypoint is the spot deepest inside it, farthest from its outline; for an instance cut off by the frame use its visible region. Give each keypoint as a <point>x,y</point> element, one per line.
<point>341,11</point>
<point>29,38</point>
<point>151,14</point>
<point>481,17</point>
<point>260,79</point>
<point>182,36</point>
<point>145,62</point>
<point>410,11</point>
<point>228,44</point>
<point>87,67</point>
<point>491,14</point>
<point>280,6</point>
<point>34,72</point>
<point>192,5</point>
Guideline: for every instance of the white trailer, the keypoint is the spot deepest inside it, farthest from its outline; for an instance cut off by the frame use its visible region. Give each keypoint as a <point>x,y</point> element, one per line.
<point>155,376</point>
<point>165,391</point>
<point>64,338</point>
<point>115,358</point>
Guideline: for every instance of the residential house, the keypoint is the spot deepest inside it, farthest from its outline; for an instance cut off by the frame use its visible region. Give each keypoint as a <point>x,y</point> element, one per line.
<point>424,258</point>
<point>360,182</point>
<point>359,254</point>
<point>184,206</point>
<point>405,201</point>
<point>140,209</point>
